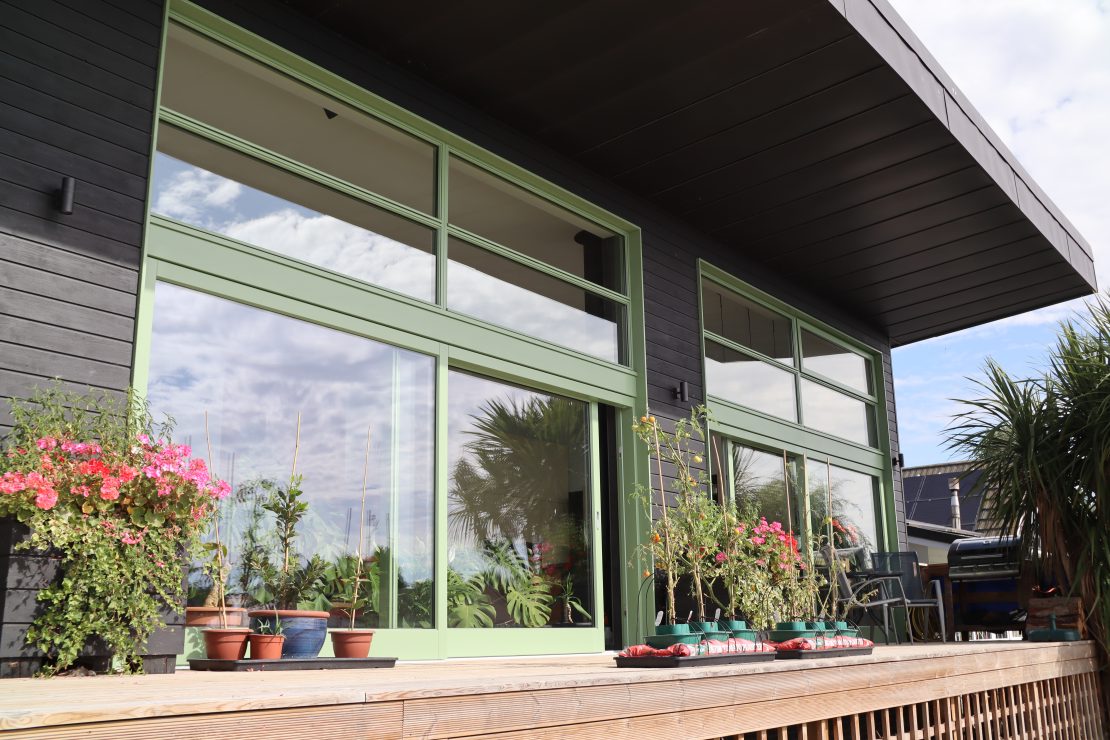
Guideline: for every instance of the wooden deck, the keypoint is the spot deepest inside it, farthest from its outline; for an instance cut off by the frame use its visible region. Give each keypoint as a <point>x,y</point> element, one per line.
<point>967,690</point>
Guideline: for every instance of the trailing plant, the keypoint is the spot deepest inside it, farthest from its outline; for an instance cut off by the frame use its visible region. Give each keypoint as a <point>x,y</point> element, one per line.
<point>1043,446</point>
<point>99,484</point>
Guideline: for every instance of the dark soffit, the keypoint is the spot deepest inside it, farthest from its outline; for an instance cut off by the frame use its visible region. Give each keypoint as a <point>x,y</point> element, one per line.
<point>815,136</point>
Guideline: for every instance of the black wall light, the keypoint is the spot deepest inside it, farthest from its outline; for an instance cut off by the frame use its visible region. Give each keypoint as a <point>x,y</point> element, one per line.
<point>65,195</point>
<point>681,391</point>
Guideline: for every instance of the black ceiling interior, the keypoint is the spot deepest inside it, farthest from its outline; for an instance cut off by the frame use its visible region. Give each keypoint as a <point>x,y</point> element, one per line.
<point>776,127</point>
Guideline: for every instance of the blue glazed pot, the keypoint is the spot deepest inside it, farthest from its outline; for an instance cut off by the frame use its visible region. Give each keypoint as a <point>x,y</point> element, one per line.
<point>305,631</point>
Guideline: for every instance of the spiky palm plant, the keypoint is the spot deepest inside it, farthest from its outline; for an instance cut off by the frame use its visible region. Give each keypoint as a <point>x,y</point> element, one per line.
<point>1043,445</point>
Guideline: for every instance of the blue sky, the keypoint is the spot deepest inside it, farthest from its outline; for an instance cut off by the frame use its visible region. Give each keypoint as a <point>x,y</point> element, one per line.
<point>1039,73</point>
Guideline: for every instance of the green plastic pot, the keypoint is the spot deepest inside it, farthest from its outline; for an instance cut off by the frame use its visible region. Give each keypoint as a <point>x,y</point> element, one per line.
<point>664,641</point>
<point>703,627</point>
<point>795,626</point>
<point>746,635</point>
<point>672,629</point>
<point>733,625</point>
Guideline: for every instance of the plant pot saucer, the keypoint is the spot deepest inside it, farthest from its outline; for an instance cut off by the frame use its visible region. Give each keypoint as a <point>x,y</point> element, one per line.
<point>289,664</point>
<point>690,661</point>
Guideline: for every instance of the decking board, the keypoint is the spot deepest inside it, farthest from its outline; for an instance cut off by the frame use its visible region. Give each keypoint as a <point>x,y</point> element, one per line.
<point>549,697</point>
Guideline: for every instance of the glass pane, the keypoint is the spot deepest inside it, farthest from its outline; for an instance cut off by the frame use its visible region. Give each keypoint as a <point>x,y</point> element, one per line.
<point>242,97</point>
<point>831,411</point>
<point>503,292</point>
<point>745,322</point>
<point>253,371</point>
<point>270,208</point>
<point>749,382</point>
<point>835,362</point>
<point>486,205</point>
<point>518,511</point>
<point>851,526</point>
<point>766,485</point>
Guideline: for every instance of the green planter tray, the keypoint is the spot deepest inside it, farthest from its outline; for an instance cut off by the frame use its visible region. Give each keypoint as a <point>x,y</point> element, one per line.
<point>691,661</point>
<point>289,664</point>
<point>813,654</point>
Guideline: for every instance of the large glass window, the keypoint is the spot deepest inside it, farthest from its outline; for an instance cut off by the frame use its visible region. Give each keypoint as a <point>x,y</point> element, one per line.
<point>768,361</point>
<point>253,372</point>
<point>766,483</point>
<point>830,411</point>
<point>220,190</point>
<point>249,152</point>
<point>747,323</point>
<point>501,291</point>
<point>749,381</point>
<point>224,89</point>
<point>843,508</point>
<point>836,362</point>
<point>491,207</point>
<point>518,507</point>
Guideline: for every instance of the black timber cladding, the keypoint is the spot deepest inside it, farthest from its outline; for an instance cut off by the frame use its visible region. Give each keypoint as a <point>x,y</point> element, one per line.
<point>671,247</point>
<point>77,92</point>
<point>816,137</point>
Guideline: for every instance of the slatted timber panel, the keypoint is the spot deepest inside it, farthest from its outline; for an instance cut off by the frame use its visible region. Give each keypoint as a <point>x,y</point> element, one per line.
<point>967,691</point>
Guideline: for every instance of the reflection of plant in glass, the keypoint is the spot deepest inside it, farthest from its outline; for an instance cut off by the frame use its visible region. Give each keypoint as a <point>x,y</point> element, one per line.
<point>514,507</point>
<point>570,602</point>
<point>414,602</point>
<point>467,602</point>
<point>348,587</point>
<point>512,483</point>
<point>292,582</point>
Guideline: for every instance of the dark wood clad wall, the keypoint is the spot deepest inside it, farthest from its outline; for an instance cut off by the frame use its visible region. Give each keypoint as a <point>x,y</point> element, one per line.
<point>77,90</point>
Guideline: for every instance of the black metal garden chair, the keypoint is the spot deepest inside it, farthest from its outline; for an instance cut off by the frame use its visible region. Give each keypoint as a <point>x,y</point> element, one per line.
<point>910,589</point>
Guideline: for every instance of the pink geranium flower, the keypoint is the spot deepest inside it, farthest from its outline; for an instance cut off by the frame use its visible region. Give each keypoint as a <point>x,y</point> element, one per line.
<point>46,498</point>
<point>46,443</point>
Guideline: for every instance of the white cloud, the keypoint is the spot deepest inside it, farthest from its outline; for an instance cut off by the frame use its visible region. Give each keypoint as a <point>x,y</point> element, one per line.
<point>1039,73</point>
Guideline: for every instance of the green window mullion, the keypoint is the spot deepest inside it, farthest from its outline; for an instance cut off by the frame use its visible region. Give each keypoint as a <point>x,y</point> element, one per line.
<point>280,161</point>
<point>442,161</point>
<point>442,485</point>
<point>834,386</point>
<point>747,351</point>
<point>596,564</point>
<point>537,265</point>
<point>797,337</point>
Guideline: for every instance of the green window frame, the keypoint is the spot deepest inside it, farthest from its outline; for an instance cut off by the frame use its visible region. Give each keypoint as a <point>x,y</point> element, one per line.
<point>738,424</point>
<point>183,255</point>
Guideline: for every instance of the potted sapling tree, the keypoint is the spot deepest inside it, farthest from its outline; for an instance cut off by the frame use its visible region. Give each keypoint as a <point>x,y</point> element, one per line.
<point>351,642</point>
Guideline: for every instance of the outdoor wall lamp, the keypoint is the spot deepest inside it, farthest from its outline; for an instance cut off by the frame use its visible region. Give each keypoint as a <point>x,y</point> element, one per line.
<point>65,195</point>
<point>681,391</point>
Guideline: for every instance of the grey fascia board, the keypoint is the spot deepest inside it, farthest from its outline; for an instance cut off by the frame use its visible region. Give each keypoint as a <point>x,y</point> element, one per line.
<point>893,39</point>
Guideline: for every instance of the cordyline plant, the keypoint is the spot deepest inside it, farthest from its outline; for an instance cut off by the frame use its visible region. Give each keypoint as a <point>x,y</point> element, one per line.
<point>1043,446</point>
<point>100,485</point>
<point>681,539</point>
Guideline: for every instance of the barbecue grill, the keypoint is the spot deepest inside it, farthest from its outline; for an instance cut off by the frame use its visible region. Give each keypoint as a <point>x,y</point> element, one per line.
<point>989,593</point>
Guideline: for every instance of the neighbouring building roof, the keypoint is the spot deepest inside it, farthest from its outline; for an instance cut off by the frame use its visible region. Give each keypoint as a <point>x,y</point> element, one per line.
<point>928,498</point>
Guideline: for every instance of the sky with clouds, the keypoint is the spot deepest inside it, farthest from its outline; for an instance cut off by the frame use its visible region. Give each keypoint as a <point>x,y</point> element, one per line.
<point>1039,73</point>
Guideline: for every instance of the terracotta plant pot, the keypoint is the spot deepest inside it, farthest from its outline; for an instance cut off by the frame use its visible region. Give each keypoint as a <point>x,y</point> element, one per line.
<point>351,643</point>
<point>266,647</point>
<point>226,644</point>
<point>209,616</point>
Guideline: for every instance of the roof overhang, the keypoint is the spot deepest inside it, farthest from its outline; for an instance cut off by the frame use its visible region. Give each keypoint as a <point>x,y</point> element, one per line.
<point>816,136</point>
